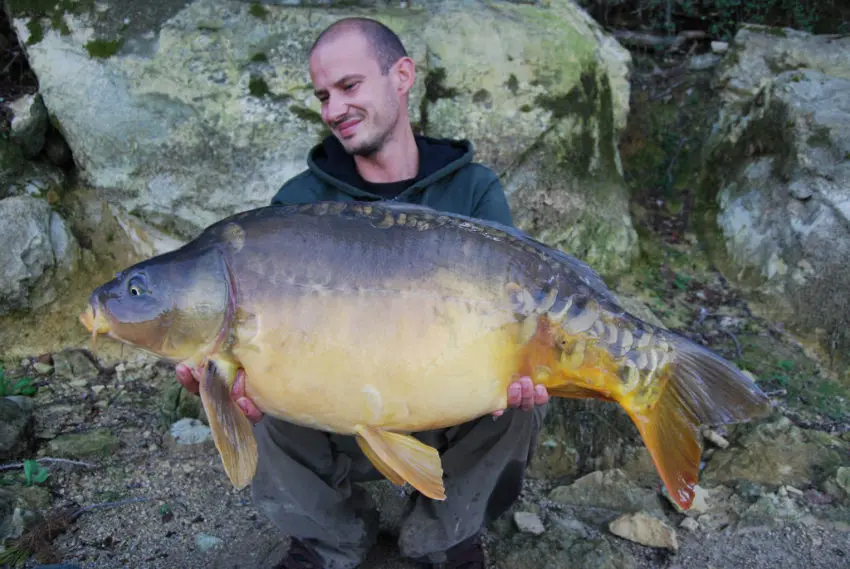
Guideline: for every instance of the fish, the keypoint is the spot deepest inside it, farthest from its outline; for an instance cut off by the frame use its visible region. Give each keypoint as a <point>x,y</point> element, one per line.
<point>382,319</point>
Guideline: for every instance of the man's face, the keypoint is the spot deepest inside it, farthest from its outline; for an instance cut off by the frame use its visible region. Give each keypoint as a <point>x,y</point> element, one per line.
<point>359,105</point>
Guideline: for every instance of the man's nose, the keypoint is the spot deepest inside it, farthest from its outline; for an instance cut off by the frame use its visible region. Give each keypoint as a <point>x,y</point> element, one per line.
<point>335,109</point>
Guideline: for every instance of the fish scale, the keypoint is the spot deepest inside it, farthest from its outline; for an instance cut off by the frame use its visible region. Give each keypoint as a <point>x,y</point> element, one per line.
<point>377,320</point>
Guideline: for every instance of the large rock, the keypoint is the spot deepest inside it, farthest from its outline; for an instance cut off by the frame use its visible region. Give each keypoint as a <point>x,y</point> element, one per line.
<point>197,109</point>
<point>777,176</point>
<point>17,425</point>
<point>778,453</point>
<point>38,252</point>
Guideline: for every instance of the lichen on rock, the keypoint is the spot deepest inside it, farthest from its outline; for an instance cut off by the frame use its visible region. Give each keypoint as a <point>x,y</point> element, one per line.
<point>775,181</point>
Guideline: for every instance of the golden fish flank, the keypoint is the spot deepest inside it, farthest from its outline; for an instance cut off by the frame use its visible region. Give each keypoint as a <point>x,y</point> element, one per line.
<point>379,319</point>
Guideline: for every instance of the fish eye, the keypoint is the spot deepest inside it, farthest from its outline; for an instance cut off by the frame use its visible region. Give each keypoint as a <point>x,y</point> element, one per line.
<point>136,286</point>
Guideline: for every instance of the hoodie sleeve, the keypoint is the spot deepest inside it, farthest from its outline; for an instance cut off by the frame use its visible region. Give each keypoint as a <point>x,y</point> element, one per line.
<point>492,204</point>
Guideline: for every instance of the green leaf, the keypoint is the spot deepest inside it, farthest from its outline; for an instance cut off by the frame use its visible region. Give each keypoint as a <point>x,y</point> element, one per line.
<point>34,472</point>
<point>29,468</point>
<point>41,475</point>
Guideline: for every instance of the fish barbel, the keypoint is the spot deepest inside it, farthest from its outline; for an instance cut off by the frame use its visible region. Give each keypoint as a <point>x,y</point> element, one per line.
<point>378,320</point>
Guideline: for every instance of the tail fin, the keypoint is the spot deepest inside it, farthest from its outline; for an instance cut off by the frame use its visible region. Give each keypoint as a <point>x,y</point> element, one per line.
<point>697,387</point>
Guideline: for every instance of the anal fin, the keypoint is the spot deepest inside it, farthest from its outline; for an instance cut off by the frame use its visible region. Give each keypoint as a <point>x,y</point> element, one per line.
<point>402,458</point>
<point>232,432</point>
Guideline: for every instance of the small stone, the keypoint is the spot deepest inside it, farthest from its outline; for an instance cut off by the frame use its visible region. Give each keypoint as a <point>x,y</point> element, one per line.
<point>98,442</point>
<point>190,431</point>
<point>529,522</point>
<point>98,388</point>
<point>715,438</point>
<point>842,479</point>
<point>703,61</point>
<point>207,542</point>
<point>645,530</point>
<point>689,524</point>
<point>719,47</point>
<point>610,489</point>
<point>17,428</point>
<point>42,368</point>
<point>699,504</point>
<point>791,490</point>
<point>574,526</point>
<point>74,365</point>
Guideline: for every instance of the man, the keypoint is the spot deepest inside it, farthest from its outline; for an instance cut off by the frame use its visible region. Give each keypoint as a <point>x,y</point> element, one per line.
<point>306,479</point>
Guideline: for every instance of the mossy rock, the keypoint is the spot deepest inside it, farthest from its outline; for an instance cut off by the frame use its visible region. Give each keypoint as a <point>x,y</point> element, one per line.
<point>95,443</point>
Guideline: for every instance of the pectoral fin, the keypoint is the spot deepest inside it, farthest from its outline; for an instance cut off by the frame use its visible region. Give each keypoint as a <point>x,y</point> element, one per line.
<point>232,432</point>
<point>403,458</point>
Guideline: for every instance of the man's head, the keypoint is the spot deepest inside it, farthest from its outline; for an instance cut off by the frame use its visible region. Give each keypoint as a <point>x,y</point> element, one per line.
<point>361,73</point>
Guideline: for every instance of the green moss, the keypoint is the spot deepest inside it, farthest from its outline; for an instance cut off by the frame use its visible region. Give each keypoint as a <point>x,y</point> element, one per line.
<point>103,48</point>
<point>481,96</point>
<point>306,114</point>
<point>258,87</point>
<point>258,11</point>
<point>435,87</point>
<point>512,84</point>
<point>591,102</point>
<point>36,31</point>
<point>52,10</point>
<point>779,366</point>
<point>778,32</point>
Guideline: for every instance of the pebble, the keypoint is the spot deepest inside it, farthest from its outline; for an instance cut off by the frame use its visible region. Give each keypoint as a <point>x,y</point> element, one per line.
<point>529,522</point>
<point>719,46</point>
<point>207,542</point>
<point>716,439</point>
<point>689,524</point>
<point>188,431</point>
<point>645,530</point>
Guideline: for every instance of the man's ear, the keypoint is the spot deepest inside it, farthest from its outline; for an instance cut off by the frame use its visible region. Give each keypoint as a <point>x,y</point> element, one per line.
<point>404,73</point>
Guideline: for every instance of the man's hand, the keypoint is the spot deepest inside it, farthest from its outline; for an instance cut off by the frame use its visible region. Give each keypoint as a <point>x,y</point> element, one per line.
<point>237,393</point>
<point>525,395</point>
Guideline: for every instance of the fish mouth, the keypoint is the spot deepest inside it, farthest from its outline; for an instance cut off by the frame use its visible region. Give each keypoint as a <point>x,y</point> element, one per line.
<point>95,322</point>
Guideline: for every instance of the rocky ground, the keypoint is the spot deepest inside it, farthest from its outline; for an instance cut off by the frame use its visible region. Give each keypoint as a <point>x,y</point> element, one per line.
<point>122,446</point>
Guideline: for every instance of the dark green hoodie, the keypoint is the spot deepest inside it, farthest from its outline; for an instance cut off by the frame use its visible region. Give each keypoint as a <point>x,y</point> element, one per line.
<point>448,180</point>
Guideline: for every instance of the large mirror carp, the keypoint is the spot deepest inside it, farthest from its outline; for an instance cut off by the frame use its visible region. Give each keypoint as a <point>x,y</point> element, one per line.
<point>382,319</point>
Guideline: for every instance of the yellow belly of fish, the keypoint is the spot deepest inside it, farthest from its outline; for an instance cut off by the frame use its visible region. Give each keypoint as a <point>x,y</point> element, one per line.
<point>396,363</point>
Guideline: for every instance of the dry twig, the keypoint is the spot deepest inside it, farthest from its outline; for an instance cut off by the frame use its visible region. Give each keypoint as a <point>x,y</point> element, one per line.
<point>15,465</point>
<point>37,540</point>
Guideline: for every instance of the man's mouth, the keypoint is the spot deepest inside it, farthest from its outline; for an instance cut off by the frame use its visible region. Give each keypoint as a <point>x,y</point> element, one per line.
<point>347,128</point>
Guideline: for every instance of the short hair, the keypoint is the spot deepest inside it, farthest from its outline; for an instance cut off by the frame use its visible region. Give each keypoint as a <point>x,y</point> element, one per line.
<point>386,45</point>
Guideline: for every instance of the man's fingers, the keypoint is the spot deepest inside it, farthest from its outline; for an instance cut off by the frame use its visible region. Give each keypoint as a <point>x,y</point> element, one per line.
<point>514,394</point>
<point>527,393</point>
<point>254,415</point>
<point>238,388</point>
<point>237,392</point>
<point>541,396</point>
<point>187,379</point>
